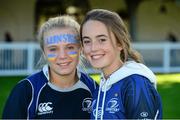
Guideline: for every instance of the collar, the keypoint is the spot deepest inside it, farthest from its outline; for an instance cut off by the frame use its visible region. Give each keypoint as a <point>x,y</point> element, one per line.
<point>129,68</point>
<point>46,72</point>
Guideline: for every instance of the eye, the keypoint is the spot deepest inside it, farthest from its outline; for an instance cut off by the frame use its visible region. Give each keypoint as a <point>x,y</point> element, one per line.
<point>86,41</point>
<point>52,49</point>
<point>102,39</point>
<point>70,47</point>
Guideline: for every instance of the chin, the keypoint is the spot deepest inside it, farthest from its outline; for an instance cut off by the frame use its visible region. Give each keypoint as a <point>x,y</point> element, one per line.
<point>65,73</point>
<point>97,66</point>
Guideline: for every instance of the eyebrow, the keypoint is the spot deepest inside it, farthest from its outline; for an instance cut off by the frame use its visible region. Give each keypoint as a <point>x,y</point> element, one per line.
<point>50,46</point>
<point>101,36</point>
<point>86,37</point>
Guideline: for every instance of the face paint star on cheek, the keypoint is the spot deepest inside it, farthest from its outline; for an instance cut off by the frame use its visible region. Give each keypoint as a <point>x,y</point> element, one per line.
<point>73,53</point>
<point>51,57</point>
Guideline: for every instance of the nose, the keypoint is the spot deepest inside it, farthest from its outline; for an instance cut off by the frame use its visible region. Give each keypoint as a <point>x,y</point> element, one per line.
<point>95,46</point>
<point>62,54</point>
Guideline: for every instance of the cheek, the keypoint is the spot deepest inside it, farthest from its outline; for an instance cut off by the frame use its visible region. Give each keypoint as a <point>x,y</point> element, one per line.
<point>73,54</point>
<point>84,53</point>
<point>86,50</point>
<point>51,57</point>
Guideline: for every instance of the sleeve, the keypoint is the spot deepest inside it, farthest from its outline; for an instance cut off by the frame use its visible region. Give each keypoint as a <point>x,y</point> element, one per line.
<point>91,84</point>
<point>17,103</point>
<point>141,100</point>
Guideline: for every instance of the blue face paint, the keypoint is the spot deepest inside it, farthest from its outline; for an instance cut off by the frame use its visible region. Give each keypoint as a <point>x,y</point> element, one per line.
<point>69,38</point>
<point>73,53</point>
<point>51,57</point>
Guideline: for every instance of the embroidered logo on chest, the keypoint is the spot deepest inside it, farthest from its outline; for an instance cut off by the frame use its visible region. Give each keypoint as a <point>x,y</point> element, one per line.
<point>112,105</point>
<point>45,108</point>
<point>87,105</point>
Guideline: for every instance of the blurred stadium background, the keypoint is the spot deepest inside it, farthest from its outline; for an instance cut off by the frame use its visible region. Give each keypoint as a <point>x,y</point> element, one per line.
<point>153,24</point>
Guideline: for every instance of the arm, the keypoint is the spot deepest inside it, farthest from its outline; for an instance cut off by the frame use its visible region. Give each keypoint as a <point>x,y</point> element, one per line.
<point>91,84</point>
<point>141,99</point>
<point>17,103</point>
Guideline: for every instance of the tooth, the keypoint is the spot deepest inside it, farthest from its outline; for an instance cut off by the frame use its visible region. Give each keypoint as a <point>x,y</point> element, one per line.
<point>96,56</point>
<point>64,63</point>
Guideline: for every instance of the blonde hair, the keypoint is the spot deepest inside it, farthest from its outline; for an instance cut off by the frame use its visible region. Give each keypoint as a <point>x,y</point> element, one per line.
<point>64,21</point>
<point>114,23</point>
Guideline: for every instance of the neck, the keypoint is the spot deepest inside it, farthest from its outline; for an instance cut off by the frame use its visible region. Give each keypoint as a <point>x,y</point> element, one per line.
<point>112,68</point>
<point>64,81</point>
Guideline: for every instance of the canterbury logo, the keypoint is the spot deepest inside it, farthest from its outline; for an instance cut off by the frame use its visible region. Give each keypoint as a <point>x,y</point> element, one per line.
<point>45,108</point>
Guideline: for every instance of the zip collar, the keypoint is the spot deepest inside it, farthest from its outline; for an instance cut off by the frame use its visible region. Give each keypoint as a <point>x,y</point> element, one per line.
<point>129,68</point>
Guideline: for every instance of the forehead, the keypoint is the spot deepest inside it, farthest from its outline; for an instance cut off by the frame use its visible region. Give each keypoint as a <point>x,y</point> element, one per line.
<point>65,35</point>
<point>93,28</point>
<point>58,31</point>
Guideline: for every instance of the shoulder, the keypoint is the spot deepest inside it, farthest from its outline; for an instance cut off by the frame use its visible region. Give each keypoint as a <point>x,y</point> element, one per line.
<point>37,80</point>
<point>85,77</point>
<point>136,83</point>
<point>137,86</point>
<point>36,77</point>
<point>87,80</point>
<point>137,80</point>
<point>21,91</point>
<point>139,94</point>
<point>26,85</point>
<point>18,100</point>
<point>22,85</point>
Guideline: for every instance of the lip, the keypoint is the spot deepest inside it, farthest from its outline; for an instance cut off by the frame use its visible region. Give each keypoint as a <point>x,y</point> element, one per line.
<point>63,64</point>
<point>96,56</point>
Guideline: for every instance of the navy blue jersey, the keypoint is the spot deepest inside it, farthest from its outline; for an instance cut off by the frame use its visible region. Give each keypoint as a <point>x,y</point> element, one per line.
<point>131,98</point>
<point>35,97</point>
<point>127,97</point>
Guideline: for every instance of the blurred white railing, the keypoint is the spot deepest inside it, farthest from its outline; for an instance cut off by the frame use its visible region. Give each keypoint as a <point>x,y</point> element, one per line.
<point>22,58</point>
<point>18,58</point>
<point>160,57</point>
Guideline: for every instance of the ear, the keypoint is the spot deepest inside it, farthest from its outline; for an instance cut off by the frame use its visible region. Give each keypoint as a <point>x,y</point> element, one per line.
<point>43,54</point>
<point>119,47</point>
<point>44,57</point>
